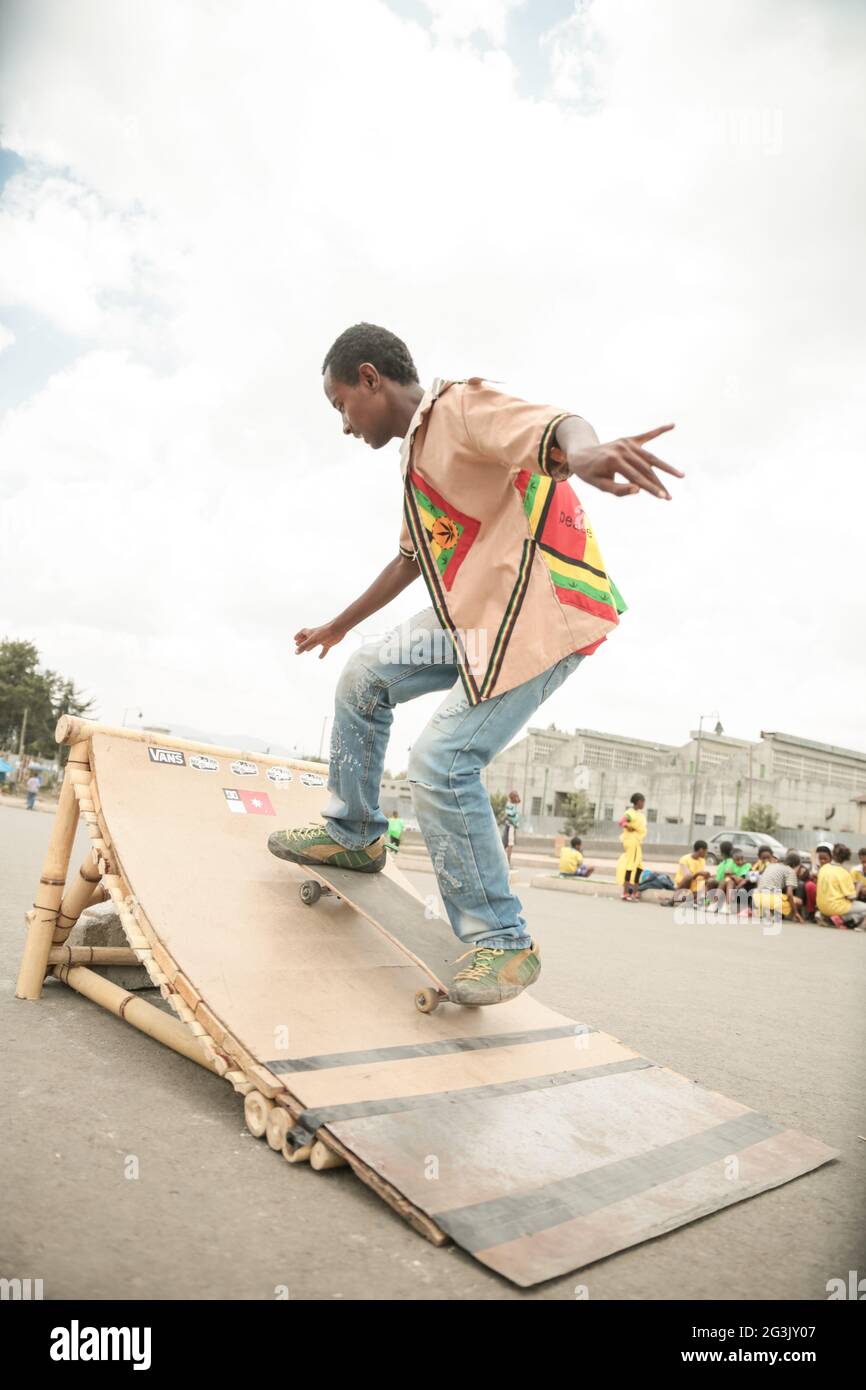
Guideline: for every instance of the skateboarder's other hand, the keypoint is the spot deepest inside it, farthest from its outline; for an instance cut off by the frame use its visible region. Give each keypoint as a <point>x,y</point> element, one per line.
<point>325,637</point>
<point>599,465</point>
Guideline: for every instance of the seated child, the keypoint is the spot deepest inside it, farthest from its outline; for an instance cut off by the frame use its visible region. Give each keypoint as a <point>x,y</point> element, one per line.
<point>837,892</point>
<point>734,876</point>
<point>693,872</point>
<point>571,863</point>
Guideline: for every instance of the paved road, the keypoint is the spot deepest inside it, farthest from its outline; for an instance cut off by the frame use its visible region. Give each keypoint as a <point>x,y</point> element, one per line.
<point>774,1022</point>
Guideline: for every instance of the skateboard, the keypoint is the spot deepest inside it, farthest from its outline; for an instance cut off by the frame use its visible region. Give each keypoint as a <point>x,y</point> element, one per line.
<point>426,940</point>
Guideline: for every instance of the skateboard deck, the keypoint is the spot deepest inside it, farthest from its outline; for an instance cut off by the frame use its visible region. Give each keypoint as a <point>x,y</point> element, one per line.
<point>413,926</point>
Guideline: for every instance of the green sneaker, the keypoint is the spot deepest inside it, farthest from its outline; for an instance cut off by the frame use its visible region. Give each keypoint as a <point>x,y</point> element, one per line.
<point>495,975</point>
<point>311,844</point>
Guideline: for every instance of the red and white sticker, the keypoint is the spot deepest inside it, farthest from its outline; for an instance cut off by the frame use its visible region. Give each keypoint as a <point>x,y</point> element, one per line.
<point>248,803</point>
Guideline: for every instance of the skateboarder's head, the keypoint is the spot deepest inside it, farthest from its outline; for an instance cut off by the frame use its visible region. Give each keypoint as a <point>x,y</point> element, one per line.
<point>841,854</point>
<point>370,378</point>
<point>699,849</point>
<point>637,800</point>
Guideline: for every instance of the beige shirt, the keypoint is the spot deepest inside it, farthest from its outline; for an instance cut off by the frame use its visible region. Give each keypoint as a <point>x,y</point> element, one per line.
<point>511,563</point>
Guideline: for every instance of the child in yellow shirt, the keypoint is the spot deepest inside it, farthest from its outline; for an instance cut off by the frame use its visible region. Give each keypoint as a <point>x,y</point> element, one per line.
<point>571,863</point>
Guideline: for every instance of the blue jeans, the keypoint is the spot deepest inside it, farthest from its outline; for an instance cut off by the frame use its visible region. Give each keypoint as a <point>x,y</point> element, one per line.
<point>453,809</point>
<point>31,800</point>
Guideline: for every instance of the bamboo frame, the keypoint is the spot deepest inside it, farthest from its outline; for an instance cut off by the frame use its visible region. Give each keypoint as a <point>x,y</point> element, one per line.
<point>41,922</point>
<point>147,1018</point>
<point>71,729</point>
<point>92,955</point>
<point>196,1033</point>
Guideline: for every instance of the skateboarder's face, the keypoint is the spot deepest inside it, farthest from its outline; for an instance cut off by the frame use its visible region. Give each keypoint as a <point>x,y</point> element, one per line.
<point>365,408</point>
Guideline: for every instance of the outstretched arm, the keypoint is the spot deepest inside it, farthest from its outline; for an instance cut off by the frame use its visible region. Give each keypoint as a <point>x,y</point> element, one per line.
<point>598,464</point>
<point>395,577</point>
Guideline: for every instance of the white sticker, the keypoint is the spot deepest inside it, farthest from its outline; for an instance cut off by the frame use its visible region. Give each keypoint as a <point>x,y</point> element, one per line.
<point>172,757</point>
<point>279,774</point>
<point>244,769</point>
<point>312,779</point>
<point>203,763</point>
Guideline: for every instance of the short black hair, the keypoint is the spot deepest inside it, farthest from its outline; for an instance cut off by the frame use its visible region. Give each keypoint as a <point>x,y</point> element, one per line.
<point>841,853</point>
<point>792,859</point>
<point>366,342</point>
<point>576,841</point>
<point>636,797</point>
<point>699,844</point>
<point>726,846</point>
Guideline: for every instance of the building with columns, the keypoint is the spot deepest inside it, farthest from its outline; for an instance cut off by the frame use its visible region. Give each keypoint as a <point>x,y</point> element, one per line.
<point>818,790</point>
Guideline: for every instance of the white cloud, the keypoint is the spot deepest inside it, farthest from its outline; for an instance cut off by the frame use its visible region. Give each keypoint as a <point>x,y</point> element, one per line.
<point>461,19</point>
<point>7,337</point>
<point>214,192</point>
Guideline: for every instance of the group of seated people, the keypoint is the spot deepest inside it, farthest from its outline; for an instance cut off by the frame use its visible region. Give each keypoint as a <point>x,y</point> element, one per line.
<point>830,893</point>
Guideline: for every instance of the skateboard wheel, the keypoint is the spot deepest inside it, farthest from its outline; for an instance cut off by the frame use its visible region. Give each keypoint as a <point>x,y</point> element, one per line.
<point>427,1000</point>
<point>310,892</point>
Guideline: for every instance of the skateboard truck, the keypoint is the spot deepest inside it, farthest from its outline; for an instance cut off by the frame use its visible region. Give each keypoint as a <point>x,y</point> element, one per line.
<point>427,1000</point>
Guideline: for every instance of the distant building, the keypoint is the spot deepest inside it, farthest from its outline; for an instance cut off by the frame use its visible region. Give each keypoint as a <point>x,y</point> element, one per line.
<point>817,789</point>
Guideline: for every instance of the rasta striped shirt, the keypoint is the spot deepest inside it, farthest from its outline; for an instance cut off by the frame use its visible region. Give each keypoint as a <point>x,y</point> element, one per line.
<point>512,566</point>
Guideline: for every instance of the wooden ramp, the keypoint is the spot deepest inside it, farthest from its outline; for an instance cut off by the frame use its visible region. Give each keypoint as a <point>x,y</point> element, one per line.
<point>535,1143</point>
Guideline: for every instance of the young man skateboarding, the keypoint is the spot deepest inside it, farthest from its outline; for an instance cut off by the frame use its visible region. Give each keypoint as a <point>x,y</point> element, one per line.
<point>520,595</point>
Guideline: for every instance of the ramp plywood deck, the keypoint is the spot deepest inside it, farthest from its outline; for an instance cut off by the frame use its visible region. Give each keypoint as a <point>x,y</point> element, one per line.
<point>552,1144</point>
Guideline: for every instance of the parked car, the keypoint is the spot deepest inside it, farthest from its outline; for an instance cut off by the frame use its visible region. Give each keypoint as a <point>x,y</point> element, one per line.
<point>749,841</point>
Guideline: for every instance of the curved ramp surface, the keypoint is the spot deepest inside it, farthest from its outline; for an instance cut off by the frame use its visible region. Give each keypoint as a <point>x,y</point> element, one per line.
<point>535,1143</point>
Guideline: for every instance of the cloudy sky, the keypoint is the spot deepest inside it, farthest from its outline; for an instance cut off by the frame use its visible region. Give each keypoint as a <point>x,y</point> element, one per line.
<point>641,210</point>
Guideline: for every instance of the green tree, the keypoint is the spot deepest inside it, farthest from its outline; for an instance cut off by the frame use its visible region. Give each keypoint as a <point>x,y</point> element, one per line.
<point>498,800</point>
<point>579,815</point>
<point>762,817</point>
<point>43,694</point>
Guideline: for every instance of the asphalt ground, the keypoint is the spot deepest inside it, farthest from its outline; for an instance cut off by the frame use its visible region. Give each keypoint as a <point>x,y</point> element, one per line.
<point>776,1022</point>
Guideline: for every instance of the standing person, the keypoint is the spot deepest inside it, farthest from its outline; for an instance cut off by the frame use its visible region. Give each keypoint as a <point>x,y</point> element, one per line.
<point>571,863</point>
<point>520,597</point>
<point>395,831</point>
<point>510,824</point>
<point>32,788</point>
<point>630,863</point>
<point>837,892</point>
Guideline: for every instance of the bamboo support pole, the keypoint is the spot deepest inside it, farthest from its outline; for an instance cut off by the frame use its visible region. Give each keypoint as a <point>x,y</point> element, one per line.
<point>92,955</point>
<point>322,1158</point>
<point>256,1110</point>
<point>71,729</point>
<point>78,895</point>
<point>146,1017</point>
<point>43,919</point>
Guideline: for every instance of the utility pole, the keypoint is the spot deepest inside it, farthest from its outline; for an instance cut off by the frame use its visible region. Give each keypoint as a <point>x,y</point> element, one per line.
<point>23,737</point>
<point>719,730</point>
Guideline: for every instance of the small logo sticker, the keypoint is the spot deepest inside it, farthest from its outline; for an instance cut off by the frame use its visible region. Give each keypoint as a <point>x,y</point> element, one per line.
<point>248,803</point>
<point>278,774</point>
<point>244,769</point>
<point>312,779</point>
<point>203,763</point>
<point>172,756</point>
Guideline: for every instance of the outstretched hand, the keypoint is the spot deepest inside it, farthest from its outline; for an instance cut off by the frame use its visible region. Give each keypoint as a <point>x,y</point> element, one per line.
<point>309,638</point>
<point>599,465</point>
